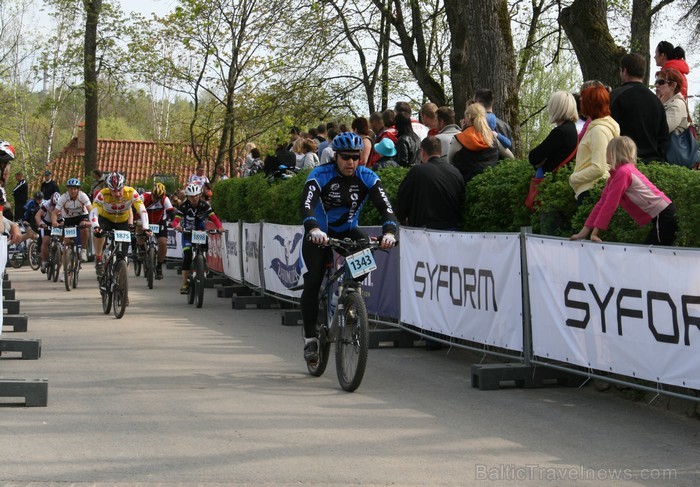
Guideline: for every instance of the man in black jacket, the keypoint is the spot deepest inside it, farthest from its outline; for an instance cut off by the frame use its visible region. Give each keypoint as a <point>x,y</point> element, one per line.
<point>48,186</point>
<point>20,194</point>
<point>432,193</point>
<point>639,112</point>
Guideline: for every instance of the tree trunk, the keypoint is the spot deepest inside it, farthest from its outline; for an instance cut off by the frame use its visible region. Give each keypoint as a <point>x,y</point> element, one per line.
<point>640,28</point>
<point>586,26</point>
<point>93,9</point>
<point>482,56</point>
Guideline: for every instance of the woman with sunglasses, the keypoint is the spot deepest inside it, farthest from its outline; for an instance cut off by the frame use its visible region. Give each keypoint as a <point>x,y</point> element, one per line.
<point>332,199</point>
<point>668,89</point>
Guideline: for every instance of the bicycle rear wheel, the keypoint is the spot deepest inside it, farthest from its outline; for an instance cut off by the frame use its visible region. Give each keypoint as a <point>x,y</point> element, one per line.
<point>324,344</point>
<point>34,256</point>
<point>68,267</point>
<point>137,266</point>
<point>353,343</point>
<point>149,266</point>
<point>199,281</point>
<point>121,288</point>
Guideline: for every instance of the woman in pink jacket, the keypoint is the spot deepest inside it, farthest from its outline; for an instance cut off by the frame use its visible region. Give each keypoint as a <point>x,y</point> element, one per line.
<point>629,188</point>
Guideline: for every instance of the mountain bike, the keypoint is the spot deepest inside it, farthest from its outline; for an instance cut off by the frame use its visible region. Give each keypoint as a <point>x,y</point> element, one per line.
<point>71,257</point>
<point>195,281</point>
<point>345,323</point>
<point>53,266</point>
<point>17,253</point>
<point>151,255</point>
<point>114,286</point>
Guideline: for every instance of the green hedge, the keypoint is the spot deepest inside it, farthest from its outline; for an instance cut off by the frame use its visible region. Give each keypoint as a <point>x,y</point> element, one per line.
<point>494,201</point>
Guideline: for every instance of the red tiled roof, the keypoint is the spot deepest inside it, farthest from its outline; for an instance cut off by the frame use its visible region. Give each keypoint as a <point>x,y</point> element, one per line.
<point>138,160</point>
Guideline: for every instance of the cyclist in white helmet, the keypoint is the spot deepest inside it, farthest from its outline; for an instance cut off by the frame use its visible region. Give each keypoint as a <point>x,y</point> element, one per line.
<point>192,215</point>
<point>73,208</point>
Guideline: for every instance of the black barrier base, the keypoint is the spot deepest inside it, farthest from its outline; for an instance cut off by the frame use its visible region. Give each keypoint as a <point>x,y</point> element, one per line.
<point>211,282</point>
<point>391,337</point>
<point>34,391</point>
<point>28,349</point>
<point>230,291</point>
<point>7,284</point>
<point>8,294</point>
<point>259,302</point>
<point>16,322</point>
<point>292,318</point>
<point>11,305</point>
<point>488,377</point>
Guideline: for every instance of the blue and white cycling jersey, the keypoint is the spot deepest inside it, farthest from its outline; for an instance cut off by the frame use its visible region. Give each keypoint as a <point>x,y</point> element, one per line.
<point>332,202</point>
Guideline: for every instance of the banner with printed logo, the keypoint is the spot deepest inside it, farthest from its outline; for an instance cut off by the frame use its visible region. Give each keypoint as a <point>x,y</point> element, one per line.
<point>381,287</point>
<point>215,243</point>
<point>232,251</point>
<point>463,285</point>
<point>630,310</point>
<point>283,265</point>
<point>251,254</point>
<point>174,244</point>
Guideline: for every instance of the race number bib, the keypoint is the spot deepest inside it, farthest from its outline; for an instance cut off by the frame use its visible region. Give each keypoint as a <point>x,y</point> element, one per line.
<point>122,236</point>
<point>56,232</point>
<point>154,228</point>
<point>70,232</point>
<point>199,237</point>
<point>361,263</point>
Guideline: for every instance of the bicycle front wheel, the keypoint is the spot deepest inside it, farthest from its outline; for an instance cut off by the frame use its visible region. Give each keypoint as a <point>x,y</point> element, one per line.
<point>199,281</point>
<point>16,255</point>
<point>34,257</point>
<point>353,343</point>
<point>76,268</point>
<point>121,288</point>
<point>68,267</point>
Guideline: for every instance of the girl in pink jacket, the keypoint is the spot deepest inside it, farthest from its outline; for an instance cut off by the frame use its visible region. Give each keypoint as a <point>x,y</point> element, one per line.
<point>629,188</point>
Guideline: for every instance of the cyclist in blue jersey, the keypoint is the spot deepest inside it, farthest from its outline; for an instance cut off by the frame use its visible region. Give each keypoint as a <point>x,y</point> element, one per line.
<point>332,199</point>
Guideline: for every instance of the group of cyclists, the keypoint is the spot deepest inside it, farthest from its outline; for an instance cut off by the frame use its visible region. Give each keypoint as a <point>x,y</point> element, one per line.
<point>332,199</point>
<point>116,206</point>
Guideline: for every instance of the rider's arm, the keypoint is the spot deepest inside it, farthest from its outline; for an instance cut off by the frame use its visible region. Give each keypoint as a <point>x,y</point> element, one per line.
<point>215,220</point>
<point>383,205</point>
<point>311,194</point>
<point>54,216</point>
<point>141,208</point>
<point>39,217</point>
<point>94,213</point>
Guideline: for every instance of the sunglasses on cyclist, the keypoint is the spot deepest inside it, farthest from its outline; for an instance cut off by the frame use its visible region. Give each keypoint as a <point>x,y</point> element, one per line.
<point>354,156</point>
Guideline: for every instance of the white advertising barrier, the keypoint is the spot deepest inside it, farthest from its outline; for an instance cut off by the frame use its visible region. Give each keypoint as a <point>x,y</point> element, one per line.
<point>630,310</point>
<point>232,255</point>
<point>3,262</point>
<point>174,244</point>
<point>283,265</point>
<point>463,285</point>
<point>251,254</point>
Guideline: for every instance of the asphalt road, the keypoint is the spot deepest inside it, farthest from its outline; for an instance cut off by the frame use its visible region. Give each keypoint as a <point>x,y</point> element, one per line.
<point>174,395</point>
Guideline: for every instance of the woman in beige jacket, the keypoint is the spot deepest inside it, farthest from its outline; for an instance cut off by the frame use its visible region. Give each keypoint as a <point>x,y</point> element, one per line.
<point>591,164</point>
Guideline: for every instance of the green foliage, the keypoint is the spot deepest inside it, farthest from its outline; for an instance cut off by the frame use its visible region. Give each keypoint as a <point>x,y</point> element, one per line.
<point>391,179</point>
<point>495,199</point>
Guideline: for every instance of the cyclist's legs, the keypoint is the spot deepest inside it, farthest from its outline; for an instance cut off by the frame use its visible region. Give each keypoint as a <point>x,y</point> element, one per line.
<point>45,239</point>
<point>315,259</point>
<point>186,258</point>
